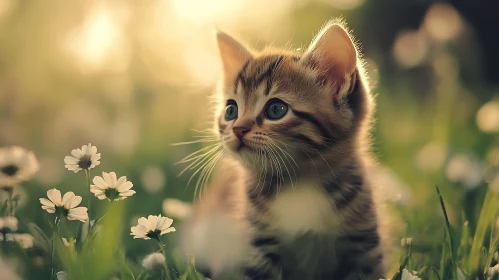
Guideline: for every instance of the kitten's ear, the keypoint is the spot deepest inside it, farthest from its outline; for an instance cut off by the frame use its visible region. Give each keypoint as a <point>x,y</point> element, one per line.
<point>234,55</point>
<point>333,53</point>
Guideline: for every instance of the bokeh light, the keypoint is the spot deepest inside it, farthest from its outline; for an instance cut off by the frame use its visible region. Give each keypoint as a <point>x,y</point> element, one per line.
<point>431,157</point>
<point>465,169</point>
<point>487,117</point>
<point>443,22</point>
<point>410,49</point>
<point>153,180</point>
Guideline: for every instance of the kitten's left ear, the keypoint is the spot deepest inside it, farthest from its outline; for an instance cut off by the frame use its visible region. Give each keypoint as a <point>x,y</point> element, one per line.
<point>233,54</point>
<point>333,53</point>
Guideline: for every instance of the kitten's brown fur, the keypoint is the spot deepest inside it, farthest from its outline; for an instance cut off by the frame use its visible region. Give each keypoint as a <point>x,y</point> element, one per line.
<point>309,165</point>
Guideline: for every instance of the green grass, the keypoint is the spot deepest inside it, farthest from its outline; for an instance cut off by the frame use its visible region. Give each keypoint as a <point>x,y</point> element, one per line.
<point>464,252</point>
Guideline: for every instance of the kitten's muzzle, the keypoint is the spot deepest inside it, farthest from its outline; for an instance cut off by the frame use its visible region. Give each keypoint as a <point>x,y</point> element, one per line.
<point>240,131</point>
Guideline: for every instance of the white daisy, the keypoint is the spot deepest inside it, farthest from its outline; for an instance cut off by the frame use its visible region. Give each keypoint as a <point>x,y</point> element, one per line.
<point>153,261</point>
<point>16,165</point>
<point>84,158</point>
<point>64,206</point>
<point>8,224</point>
<point>108,186</point>
<point>406,275</point>
<point>152,227</point>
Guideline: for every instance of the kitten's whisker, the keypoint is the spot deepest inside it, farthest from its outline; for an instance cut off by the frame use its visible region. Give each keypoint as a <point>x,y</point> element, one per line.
<point>194,141</point>
<point>193,156</point>
<point>280,177</point>
<point>264,161</point>
<point>207,177</point>
<point>285,155</point>
<point>271,165</point>
<point>206,170</point>
<point>260,157</point>
<point>327,163</point>
<point>284,163</point>
<point>284,151</point>
<point>207,131</point>
<point>200,160</point>
<point>202,167</point>
<point>313,162</point>
<point>207,136</point>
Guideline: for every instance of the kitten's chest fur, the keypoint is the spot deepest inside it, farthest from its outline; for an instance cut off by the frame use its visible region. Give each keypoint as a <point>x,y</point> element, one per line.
<point>302,208</point>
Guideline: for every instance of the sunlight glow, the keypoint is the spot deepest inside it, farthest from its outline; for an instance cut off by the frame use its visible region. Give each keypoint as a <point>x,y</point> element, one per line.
<point>5,7</point>
<point>201,10</point>
<point>98,40</point>
<point>344,4</point>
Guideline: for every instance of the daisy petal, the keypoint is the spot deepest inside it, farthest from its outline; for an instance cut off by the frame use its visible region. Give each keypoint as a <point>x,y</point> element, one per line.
<point>66,198</point>
<point>55,196</point>
<point>172,229</point>
<point>46,202</point>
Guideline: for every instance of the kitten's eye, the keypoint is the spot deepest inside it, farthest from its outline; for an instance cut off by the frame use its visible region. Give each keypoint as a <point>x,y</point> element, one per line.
<point>276,110</point>
<point>231,111</point>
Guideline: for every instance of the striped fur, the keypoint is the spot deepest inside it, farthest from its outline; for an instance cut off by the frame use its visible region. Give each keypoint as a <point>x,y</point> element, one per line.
<point>309,203</point>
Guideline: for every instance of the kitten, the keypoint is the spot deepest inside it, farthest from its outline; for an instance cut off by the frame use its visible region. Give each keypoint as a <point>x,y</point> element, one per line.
<point>296,201</point>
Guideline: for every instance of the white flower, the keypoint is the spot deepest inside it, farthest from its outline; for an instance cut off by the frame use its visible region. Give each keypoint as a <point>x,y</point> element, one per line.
<point>108,186</point>
<point>406,275</point>
<point>176,208</point>
<point>16,165</point>
<point>84,158</point>
<point>8,224</point>
<point>153,261</point>
<point>26,240</point>
<point>62,275</point>
<point>65,206</point>
<point>406,241</point>
<point>152,227</point>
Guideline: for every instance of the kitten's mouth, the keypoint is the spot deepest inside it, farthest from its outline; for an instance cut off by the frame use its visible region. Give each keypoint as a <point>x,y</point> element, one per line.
<point>242,146</point>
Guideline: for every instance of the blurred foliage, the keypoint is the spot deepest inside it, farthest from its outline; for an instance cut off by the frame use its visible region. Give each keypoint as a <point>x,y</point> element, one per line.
<point>133,77</point>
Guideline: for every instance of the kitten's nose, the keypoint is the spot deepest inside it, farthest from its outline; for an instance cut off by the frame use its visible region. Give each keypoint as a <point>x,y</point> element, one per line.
<point>240,131</point>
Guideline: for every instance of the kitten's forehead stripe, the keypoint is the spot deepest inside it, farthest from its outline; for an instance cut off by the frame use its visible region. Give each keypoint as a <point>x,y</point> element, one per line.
<point>255,71</point>
<point>240,77</point>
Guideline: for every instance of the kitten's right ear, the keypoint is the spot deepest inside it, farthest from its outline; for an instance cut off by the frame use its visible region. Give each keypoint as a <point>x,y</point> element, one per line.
<point>233,55</point>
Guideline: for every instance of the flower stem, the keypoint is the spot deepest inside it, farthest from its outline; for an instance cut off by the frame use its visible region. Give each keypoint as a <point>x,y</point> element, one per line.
<point>52,257</point>
<point>52,245</point>
<point>87,173</point>
<point>162,248</point>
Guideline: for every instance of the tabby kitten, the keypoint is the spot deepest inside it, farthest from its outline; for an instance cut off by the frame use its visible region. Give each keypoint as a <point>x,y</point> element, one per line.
<point>297,202</point>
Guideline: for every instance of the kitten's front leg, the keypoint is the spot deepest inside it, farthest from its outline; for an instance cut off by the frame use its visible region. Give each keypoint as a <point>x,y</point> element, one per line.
<point>363,255</point>
<point>264,263</point>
